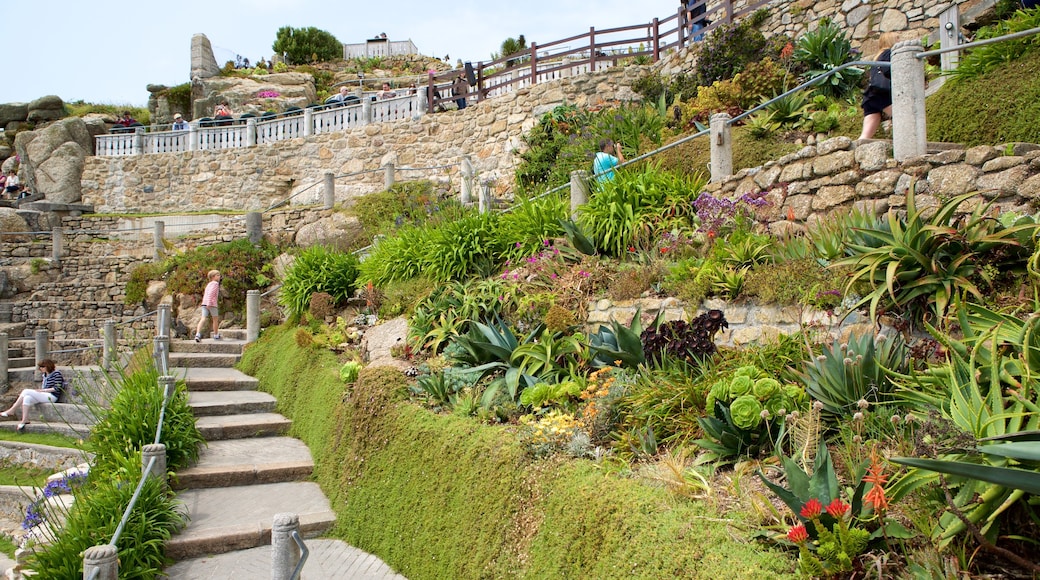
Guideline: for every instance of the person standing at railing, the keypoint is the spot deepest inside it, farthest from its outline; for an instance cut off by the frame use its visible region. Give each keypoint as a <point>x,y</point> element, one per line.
<point>386,93</point>
<point>695,19</point>
<point>126,120</point>
<point>608,157</point>
<point>222,114</point>
<point>179,124</point>
<point>49,392</point>
<point>877,99</point>
<point>209,306</point>
<point>459,89</point>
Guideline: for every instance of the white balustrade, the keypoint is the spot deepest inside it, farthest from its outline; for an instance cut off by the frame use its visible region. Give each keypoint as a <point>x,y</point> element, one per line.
<point>116,145</point>
<point>338,119</point>
<point>166,142</point>
<point>223,137</point>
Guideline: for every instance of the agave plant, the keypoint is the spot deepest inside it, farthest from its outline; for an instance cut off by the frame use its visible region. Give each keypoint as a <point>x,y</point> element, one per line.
<point>921,265</point>
<point>824,49</point>
<point>845,373</point>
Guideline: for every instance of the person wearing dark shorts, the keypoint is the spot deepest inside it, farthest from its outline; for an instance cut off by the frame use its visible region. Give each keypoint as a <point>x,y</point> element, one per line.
<point>877,99</point>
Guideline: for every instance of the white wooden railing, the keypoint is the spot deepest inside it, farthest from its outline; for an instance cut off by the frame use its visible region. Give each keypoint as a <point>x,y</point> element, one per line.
<point>258,130</point>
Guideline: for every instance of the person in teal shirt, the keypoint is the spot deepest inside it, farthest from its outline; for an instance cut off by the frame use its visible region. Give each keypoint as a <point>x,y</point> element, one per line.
<point>604,163</point>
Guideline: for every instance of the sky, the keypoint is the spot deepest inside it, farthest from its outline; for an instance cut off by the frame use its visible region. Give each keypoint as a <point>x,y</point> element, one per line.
<point>108,51</point>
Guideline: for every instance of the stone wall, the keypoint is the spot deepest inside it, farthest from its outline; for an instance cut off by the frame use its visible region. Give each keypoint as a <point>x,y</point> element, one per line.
<point>258,177</point>
<point>749,321</point>
<point>807,186</point>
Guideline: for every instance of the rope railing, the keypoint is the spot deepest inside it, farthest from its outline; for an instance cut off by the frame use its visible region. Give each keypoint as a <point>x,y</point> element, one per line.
<point>136,318</point>
<point>81,349</point>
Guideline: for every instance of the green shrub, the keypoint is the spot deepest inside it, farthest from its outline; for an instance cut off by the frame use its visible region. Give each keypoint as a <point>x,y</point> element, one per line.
<point>397,258</point>
<point>730,47</point>
<point>406,203</point>
<point>983,59</point>
<point>318,269</point>
<point>525,228</point>
<point>823,49</point>
<point>306,45</point>
<point>468,246</point>
<point>131,421</point>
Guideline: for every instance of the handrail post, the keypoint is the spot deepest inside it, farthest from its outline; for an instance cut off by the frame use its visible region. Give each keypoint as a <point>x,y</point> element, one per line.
<point>138,141</point>
<point>193,136</point>
<point>161,353</point>
<point>431,92</point>
<point>308,122</point>
<point>682,24</point>
<point>5,362</point>
<point>534,63</point>
<point>729,11</point>
<point>284,551</point>
<point>592,48</point>
<point>466,195</point>
<point>949,37</point>
<point>484,204</point>
<point>657,40</point>
<point>480,82</point>
<point>41,346</point>
<point>329,190</point>
<point>158,452</point>
<point>388,177</point>
<point>909,138</point>
<point>721,147</point>
<point>108,348</point>
<point>366,111</point>
<point>158,234</point>
<point>101,563</point>
<point>56,246</point>
<point>252,315</point>
<point>255,227</point>
<point>579,191</point>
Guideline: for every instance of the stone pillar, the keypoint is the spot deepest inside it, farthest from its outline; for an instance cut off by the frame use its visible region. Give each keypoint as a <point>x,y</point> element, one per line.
<point>138,141</point>
<point>466,195</point>
<point>329,190</point>
<point>155,451</point>
<point>909,138</point>
<point>949,37</point>
<point>285,553</point>
<point>579,191</point>
<point>252,315</point>
<point>41,346</point>
<point>721,147</point>
<point>104,559</point>
<point>389,177</point>
<point>158,235</point>
<point>254,227</point>
<point>5,363</point>
<point>250,131</point>
<point>161,353</point>
<point>164,320</point>
<point>193,136</point>
<point>108,351</point>
<point>56,246</point>
<point>366,110</point>
<point>484,203</point>
<point>308,122</point>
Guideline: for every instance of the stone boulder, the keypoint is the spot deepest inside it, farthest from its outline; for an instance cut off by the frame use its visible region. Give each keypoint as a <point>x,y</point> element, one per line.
<point>44,109</point>
<point>294,90</point>
<point>335,230</point>
<point>52,159</point>
<point>11,221</point>
<point>11,112</point>
<point>379,339</point>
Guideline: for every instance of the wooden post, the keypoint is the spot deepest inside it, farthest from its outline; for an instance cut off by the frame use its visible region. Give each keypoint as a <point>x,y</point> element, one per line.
<point>592,48</point>
<point>681,20</point>
<point>480,81</point>
<point>431,94</point>
<point>949,37</point>
<point>534,63</point>
<point>657,40</point>
<point>728,7</point>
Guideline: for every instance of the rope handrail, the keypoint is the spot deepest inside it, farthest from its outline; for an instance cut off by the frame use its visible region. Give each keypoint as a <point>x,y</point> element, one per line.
<point>362,172</point>
<point>133,501</point>
<point>288,199</point>
<point>81,349</point>
<point>448,166</point>
<point>275,289</point>
<point>136,318</point>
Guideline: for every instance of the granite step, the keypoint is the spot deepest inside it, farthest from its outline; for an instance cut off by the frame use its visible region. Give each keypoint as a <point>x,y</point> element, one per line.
<point>237,462</point>
<point>203,359</point>
<point>225,519</point>
<point>225,346</point>
<point>215,379</point>
<point>211,403</point>
<point>328,560</point>
<point>241,426</point>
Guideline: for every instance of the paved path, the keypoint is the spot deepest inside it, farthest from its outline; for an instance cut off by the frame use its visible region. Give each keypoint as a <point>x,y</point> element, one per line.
<point>328,560</point>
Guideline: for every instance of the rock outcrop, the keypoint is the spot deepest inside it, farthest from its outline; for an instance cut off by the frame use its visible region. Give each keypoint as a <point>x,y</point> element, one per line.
<point>242,93</point>
<point>52,159</point>
<point>203,63</point>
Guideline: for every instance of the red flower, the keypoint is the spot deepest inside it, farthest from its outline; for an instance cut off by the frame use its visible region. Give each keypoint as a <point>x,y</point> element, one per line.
<point>876,495</point>
<point>837,508</point>
<point>632,249</point>
<point>790,214</point>
<point>812,509</point>
<point>798,534</point>
<point>664,250</point>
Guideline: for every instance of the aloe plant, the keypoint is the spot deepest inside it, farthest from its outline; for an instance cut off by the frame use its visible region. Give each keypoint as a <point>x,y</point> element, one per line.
<point>845,373</point>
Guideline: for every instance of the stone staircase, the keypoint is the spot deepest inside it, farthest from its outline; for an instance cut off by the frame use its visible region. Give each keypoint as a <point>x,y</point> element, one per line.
<point>248,472</point>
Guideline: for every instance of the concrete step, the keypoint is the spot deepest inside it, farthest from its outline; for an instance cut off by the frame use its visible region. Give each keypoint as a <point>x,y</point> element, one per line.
<point>203,359</point>
<point>62,413</point>
<point>242,426</point>
<point>77,431</point>
<point>247,462</point>
<point>21,362</point>
<point>225,346</point>
<point>210,403</point>
<point>215,379</point>
<point>237,518</point>
<point>329,560</point>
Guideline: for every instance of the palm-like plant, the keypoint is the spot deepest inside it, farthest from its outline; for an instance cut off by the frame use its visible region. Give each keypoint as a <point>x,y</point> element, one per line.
<point>920,265</point>
<point>824,49</point>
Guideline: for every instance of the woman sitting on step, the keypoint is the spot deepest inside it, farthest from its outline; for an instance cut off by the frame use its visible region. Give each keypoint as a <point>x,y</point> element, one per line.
<point>49,392</point>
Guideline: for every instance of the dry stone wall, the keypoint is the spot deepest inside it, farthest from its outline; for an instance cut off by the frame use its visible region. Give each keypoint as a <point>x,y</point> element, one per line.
<point>259,177</point>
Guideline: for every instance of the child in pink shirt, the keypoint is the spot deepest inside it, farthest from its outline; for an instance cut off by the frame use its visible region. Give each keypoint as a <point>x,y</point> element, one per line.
<point>209,306</point>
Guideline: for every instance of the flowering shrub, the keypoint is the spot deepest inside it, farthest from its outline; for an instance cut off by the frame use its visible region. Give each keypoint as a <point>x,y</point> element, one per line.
<point>548,433</point>
<point>718,216</point>
<point>34,514</point>
<point>268,95</point>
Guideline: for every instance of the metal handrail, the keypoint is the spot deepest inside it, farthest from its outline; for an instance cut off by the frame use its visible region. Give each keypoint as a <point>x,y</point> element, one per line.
<point>133,502</point>
<point>304,553</point>
<point>974,43</point>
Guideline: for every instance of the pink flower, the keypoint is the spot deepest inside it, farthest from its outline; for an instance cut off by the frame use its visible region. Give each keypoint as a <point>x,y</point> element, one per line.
<point>798,534</point>
<point>812,509</point>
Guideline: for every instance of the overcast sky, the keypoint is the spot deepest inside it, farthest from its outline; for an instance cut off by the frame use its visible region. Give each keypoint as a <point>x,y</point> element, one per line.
<point>108,51</point>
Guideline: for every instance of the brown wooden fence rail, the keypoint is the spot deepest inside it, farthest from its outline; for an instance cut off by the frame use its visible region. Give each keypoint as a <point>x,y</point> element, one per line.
<point>591,51</point>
